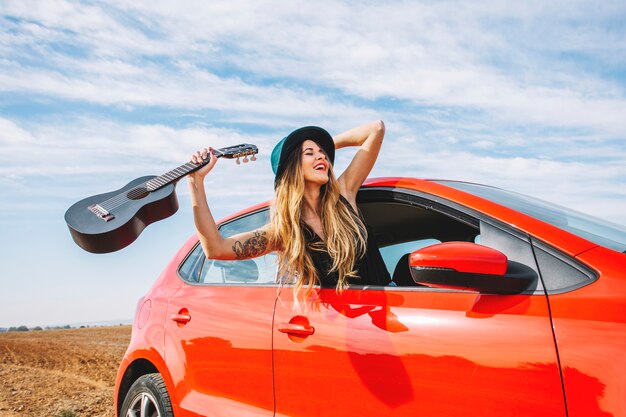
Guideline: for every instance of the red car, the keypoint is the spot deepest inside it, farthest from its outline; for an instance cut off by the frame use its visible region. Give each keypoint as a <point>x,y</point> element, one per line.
<point>503,305</point>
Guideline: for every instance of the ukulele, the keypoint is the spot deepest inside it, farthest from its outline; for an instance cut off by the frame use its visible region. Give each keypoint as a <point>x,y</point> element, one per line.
<point>111,221</point>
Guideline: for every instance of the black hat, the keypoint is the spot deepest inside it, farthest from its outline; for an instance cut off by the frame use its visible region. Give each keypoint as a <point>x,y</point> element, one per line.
<point>288,144</point>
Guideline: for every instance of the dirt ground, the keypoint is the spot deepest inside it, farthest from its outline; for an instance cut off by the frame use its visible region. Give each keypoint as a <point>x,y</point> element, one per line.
<point>59,373</point>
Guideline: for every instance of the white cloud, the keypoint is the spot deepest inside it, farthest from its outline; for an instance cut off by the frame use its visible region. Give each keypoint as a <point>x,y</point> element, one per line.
<point>436,54</point>
<point>89,145</point>
<point>11,133</point>
<point>590,187</point>
<point>481,83</point>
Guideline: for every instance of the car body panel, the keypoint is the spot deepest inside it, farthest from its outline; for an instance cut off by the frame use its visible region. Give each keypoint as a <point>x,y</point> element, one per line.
<point>590,330</point>
<point>148,331</point>
<point>419,352</point>
<point>221,360</point>
<point>147,340</point>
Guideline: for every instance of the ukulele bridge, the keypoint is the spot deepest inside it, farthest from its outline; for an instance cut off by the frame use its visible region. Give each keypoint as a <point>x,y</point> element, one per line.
<point>101,212</point>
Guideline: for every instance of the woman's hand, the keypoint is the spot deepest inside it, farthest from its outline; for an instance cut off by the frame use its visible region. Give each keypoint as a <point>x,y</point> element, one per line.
<point>199,157</point>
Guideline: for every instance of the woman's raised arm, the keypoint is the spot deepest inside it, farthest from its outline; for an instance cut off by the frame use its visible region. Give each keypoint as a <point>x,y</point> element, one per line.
<point>240,246</point>
<point>369,138</point>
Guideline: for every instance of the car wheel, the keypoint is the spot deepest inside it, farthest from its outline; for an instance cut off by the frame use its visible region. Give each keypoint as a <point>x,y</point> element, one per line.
<point>147,397</point>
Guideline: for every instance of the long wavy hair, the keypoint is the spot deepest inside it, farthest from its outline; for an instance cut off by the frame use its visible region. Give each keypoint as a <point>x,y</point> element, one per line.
<point>345,233</point>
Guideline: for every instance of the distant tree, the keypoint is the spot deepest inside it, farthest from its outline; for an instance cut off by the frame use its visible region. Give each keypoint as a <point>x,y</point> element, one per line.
<point>18,329</point>
<point>36,328</point>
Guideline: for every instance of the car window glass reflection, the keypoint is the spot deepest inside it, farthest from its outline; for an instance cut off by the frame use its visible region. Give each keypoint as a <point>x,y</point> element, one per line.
<point>260,270</point>
<point>392,254</point>
<point>249,271</point>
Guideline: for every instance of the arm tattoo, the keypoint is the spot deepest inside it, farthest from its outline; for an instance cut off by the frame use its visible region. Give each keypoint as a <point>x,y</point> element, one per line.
<point>252,247</point>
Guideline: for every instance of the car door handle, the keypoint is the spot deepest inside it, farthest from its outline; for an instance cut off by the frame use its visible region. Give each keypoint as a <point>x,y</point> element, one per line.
<point>182,317</point>
<point>297,329</point>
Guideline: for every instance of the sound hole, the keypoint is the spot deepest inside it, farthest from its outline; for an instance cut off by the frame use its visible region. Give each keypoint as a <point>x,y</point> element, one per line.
<point>138,193</point>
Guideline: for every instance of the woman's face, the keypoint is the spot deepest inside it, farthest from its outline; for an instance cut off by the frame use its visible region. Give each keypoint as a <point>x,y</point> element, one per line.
<point>315,165</point>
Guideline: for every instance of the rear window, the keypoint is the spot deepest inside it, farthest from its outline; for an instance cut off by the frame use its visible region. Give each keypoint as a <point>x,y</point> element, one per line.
<point>596,230</point>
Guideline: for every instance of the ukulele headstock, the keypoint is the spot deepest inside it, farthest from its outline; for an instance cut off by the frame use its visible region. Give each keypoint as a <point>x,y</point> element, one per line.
<point>235,152</point>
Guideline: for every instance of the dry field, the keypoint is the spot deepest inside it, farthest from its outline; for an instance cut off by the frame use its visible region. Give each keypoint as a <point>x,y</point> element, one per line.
<point>58,373</point>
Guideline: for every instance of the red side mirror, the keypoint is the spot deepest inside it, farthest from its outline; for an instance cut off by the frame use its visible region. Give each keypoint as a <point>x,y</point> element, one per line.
<point>460,257</point>
<point>469,266</point>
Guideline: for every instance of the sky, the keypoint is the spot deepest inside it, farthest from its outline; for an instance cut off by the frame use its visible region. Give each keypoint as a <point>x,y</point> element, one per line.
<point>528,96</point>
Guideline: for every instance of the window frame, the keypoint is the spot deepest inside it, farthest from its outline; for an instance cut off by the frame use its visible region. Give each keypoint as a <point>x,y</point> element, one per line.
<point>473,218</point>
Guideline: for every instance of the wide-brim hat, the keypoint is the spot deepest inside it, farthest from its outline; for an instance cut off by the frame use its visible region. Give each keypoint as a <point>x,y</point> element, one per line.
<point>283,149</point>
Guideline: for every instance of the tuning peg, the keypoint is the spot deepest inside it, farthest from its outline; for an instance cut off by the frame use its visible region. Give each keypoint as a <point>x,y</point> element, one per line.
<point>253,157</point>
<point>245,159</point>
<point>237,160</point>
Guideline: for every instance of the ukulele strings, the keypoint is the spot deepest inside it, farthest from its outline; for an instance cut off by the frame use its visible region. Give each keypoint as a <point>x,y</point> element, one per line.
<point>122,198</point>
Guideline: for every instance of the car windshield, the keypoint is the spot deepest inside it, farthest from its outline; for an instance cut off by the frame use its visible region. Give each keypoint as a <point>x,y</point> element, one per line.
<point>603,233</point>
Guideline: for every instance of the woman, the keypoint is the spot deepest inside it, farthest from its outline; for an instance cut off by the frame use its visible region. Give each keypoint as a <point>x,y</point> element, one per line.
<point>315,226</point>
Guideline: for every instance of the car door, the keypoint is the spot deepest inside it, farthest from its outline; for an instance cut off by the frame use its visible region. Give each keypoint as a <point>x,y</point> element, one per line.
<point>411,350</point>
<point>218,337</point>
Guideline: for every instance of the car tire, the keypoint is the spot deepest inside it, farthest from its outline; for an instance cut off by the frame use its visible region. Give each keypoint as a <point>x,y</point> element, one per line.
<point>147,397</point>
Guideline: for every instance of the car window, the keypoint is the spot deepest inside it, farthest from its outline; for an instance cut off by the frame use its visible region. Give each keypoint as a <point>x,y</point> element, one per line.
<point>392,254</point>
<point>516,247</point>
<point>401,228</point>
<point>190,268</point>
<point>559,272</point>
<point>405,222</point>
<point>261,270</point>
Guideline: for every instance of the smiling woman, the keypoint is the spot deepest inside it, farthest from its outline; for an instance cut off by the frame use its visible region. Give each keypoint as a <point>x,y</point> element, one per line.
<point>315,227</point>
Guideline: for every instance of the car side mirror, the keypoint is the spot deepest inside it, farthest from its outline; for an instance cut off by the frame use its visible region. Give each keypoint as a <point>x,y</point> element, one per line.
<point>469,266</point>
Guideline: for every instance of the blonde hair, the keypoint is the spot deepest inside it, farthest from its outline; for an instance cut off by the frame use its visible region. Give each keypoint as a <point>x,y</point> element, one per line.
<point>345,233</point>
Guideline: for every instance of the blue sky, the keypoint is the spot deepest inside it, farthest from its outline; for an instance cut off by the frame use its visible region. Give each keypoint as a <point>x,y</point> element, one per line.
<point>530,97</point>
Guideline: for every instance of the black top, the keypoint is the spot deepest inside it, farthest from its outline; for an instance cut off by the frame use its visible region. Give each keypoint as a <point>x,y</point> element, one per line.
<point>371,269</point>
